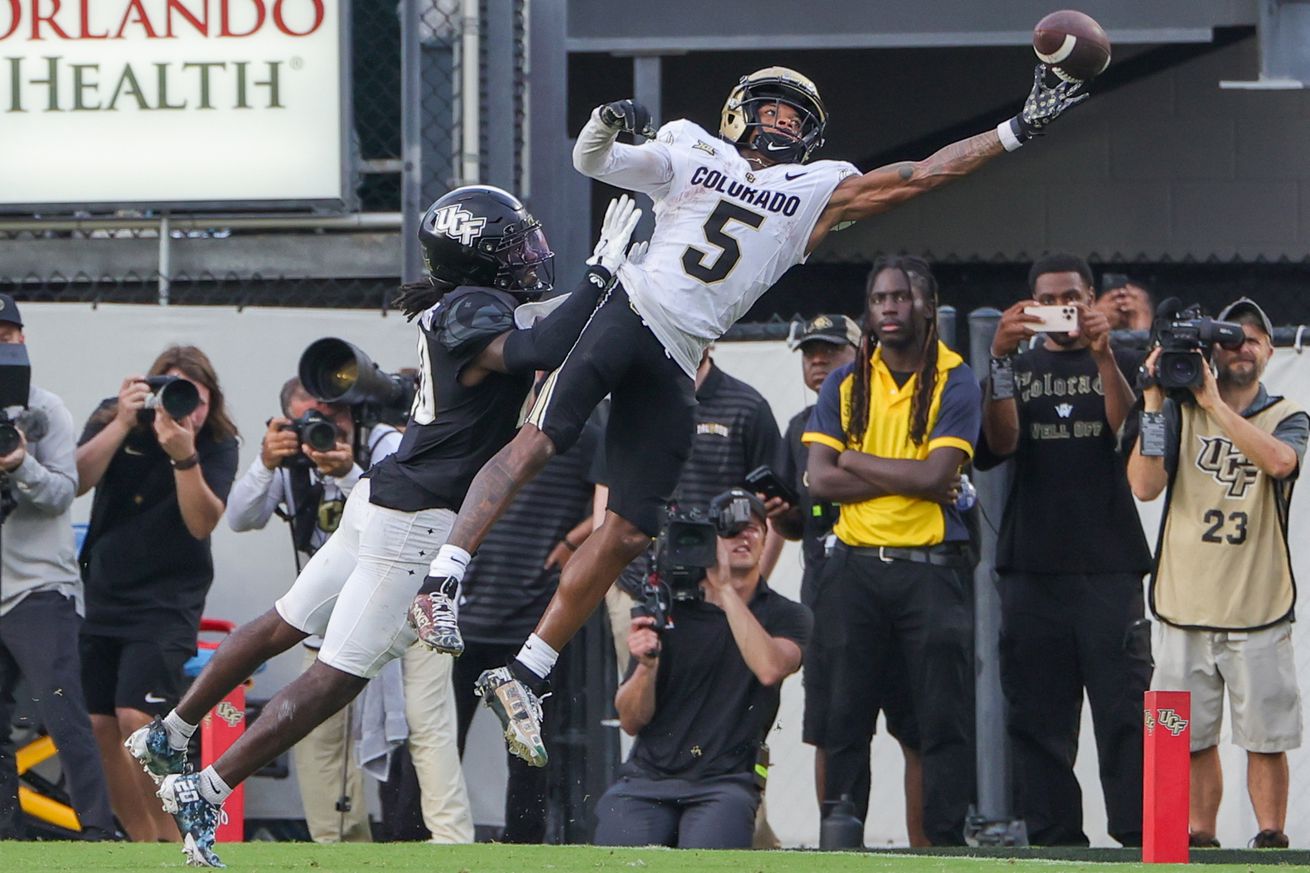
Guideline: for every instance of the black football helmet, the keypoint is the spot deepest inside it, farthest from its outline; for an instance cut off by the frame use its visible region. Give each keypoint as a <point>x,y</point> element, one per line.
<point>482,235</point>
<point>740,116</point>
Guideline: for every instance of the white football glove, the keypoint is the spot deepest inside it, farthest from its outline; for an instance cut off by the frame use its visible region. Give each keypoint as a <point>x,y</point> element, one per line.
<point>621,218</point>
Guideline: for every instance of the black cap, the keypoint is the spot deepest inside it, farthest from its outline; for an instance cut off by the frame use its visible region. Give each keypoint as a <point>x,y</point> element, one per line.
<point>1240,306</point>
<point>9,310</point>
<point>836,329</point>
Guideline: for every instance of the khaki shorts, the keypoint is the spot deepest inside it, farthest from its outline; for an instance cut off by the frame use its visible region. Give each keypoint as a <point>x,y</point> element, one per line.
<point>1260,671</point>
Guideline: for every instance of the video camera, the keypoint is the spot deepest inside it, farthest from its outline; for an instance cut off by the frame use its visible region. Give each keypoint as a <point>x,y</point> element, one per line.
<point>334,371</point>
<point>1185,338</point>
<point>686,547</point>
<point>15,388</point>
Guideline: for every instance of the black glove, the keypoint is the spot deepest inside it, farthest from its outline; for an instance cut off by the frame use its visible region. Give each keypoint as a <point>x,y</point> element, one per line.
<point>1045,103</point>
<point>629,116</point>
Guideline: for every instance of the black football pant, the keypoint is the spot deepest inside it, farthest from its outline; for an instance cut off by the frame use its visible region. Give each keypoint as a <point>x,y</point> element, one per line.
<point>1059,636</point>
<point>874,615</point>
<point>525,796</point>
<point>39,641</point>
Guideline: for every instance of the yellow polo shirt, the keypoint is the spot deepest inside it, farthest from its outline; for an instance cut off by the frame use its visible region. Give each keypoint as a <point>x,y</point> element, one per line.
<point>954,418</point>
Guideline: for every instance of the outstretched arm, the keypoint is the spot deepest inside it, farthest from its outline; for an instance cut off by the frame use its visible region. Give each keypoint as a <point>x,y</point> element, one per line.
<point>879,190</point>
<point>544,346</point>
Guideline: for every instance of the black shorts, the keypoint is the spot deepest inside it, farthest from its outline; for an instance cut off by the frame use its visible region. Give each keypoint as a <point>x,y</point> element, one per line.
<point>652,408</point>
<point>144,675</point>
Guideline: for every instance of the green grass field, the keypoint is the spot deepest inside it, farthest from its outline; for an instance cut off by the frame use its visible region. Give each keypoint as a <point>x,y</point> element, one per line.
<point>422,858</point>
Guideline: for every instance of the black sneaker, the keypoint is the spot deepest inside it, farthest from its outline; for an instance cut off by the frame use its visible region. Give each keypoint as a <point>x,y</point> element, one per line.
<point>1201,840</point>
<point>1269,840</point>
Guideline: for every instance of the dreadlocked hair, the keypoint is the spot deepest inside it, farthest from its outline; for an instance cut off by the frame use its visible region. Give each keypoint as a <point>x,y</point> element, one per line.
<point>919,276</point>
<point>415,298</point>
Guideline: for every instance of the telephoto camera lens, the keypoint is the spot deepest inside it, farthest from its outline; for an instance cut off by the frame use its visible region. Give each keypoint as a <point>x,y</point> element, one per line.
<point>173,394</point>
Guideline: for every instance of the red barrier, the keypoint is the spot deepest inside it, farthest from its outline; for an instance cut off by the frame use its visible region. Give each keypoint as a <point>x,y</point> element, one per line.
<point>220,728</point>
<point>1166,776</point>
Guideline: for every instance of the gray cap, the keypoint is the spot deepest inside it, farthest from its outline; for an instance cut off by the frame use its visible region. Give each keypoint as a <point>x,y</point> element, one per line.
<point>9,310</point>
<point>836,329</point>
<point>1243,305</point>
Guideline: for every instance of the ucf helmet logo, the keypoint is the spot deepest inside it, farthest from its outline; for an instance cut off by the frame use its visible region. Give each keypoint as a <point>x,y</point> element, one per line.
<point>458,223</point>
<point>1226,465</point>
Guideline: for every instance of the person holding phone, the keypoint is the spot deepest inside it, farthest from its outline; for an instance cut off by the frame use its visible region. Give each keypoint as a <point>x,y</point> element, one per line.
<point>1070,556</point>
<point>160,489</point>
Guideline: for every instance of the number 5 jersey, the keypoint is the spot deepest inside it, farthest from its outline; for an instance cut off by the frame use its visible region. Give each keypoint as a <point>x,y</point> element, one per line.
<point>724,232</point>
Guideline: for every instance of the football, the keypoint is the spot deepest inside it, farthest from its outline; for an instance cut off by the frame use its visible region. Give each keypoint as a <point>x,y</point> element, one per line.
<point>1072,44</point>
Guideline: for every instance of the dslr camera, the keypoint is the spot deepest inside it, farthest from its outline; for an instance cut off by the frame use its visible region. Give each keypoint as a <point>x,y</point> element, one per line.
<point>314,430</point>
<point>334,371</point>
<point>1185,338</point>
<point>176,396</point>
<point>687,545</point>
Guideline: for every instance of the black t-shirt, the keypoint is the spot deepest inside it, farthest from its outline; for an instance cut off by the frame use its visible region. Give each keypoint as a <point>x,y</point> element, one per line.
<point>817,519</point>
<point>146,576</point>
<point>1070,509</point>
<point>711,713</point>
<point>506,588</point>
<point>735,433</point>
<point>453,429</point>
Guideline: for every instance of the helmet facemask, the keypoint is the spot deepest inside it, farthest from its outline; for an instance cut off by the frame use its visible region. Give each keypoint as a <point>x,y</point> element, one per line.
<point>775,143</point>
<point>526,265</point>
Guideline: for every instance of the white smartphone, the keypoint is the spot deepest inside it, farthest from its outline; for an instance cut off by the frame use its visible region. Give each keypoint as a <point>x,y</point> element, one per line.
<point>1055,319</point>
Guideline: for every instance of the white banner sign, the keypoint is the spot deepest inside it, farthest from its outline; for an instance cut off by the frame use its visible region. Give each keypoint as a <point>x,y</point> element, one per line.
<point>170,101</point>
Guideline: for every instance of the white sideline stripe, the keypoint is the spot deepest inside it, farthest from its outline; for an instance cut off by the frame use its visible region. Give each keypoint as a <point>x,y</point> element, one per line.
<point>1062,53</point>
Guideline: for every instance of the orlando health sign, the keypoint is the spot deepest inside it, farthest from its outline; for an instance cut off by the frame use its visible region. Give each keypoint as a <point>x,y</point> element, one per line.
<point>183,102</point>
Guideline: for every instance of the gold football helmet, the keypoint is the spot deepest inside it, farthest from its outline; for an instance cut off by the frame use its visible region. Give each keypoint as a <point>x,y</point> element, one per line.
<point>775,85</point>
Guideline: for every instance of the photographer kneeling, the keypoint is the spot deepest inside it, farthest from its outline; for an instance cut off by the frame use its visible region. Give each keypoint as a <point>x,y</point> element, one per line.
<point>700,700</point>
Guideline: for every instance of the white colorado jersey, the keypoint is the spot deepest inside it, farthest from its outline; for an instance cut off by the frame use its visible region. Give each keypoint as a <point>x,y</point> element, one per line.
<point>724,232</point>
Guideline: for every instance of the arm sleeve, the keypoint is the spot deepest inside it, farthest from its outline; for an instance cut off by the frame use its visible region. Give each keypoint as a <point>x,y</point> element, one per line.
<point>645,168</point>
<point>825,426</point>
<point>545,345</point>
<point>47,478</point>
<point>253,498</point>
<point>959,417</point>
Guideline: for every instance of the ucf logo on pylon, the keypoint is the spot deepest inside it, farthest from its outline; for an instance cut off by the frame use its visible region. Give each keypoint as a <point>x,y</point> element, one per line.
<point>1169,719</point>
<point>458,223</point>
<point>1226,465</point>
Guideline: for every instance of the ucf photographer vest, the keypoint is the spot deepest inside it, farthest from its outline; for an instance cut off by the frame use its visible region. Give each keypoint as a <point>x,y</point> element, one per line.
<point>1223,554</point>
